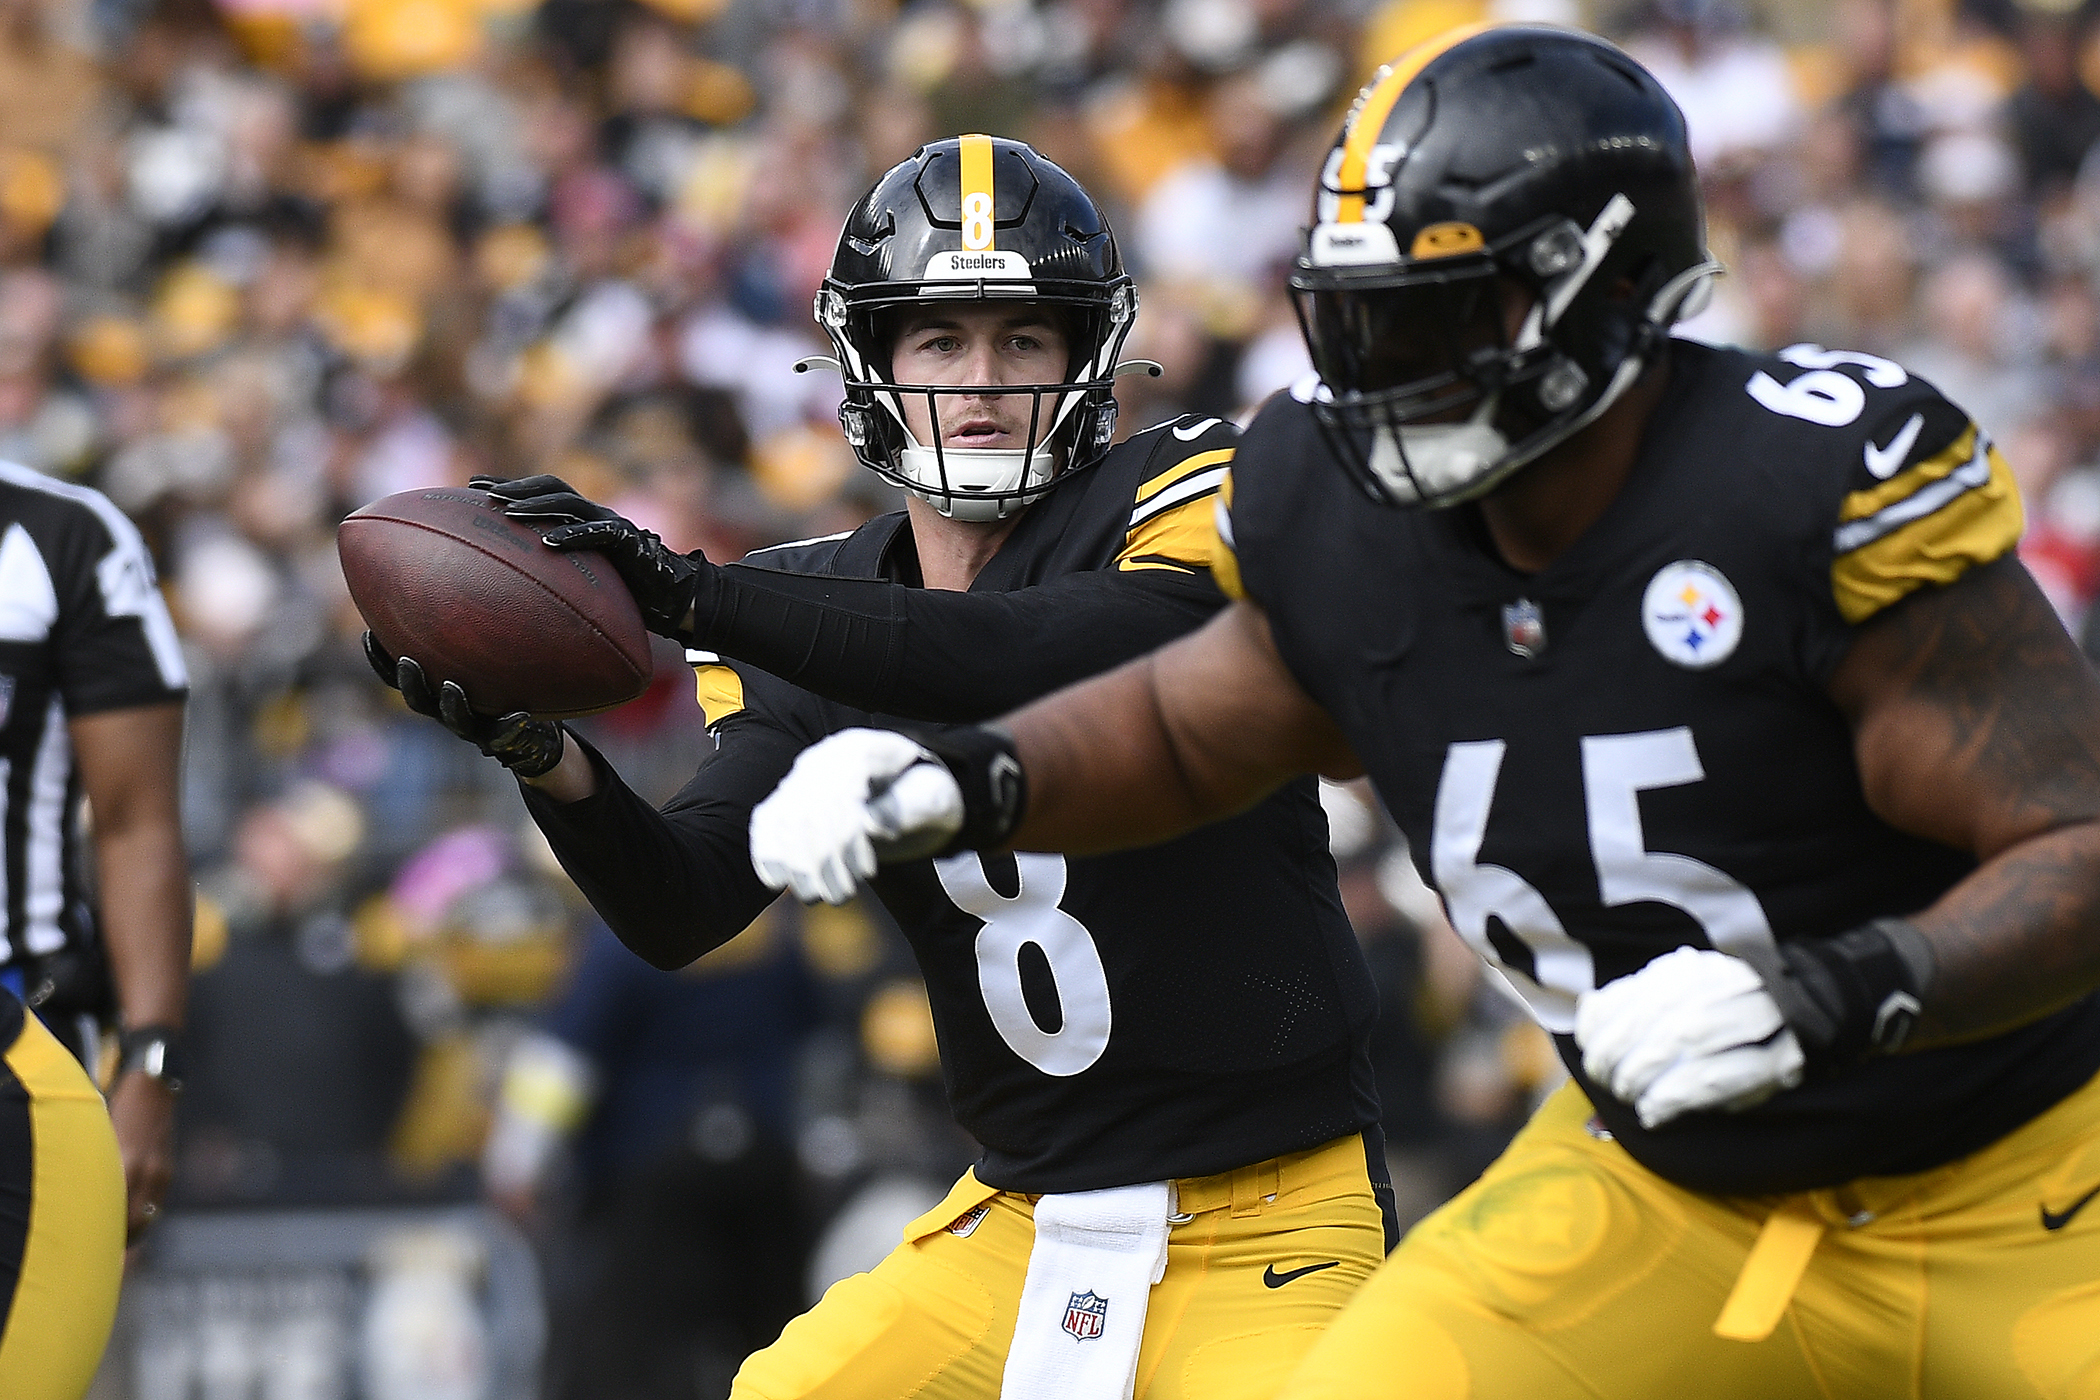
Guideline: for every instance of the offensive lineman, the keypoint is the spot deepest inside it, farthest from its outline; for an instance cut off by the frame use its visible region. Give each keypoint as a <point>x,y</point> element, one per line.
<point>1715,706</point>
<point>1162,1053</point>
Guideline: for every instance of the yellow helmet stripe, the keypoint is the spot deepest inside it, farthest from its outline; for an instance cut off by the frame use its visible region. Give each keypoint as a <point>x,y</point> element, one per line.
<point>1368,120</point>
<point>977,193</point>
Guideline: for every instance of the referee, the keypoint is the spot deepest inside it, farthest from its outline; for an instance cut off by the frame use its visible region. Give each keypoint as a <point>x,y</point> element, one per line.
<point>91,694</point>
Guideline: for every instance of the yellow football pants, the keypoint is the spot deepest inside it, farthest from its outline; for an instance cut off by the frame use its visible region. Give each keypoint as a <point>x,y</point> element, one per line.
<point>1232,1316</point>
<point>62,1207</point>
<point>1569,1270</point>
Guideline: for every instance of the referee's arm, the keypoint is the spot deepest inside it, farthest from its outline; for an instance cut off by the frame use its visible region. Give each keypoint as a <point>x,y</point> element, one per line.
<point>129,762</point>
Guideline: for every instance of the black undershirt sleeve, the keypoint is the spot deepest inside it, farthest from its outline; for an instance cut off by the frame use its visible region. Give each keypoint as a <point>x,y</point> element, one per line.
<point>677,883</point>
<point>947,657</point>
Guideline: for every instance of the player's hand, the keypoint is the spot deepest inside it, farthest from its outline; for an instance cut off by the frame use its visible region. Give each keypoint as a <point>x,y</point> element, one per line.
<point>526,746</point>
<point>666,586</point>
<point>1694,1029</point>
<point>861,797</point>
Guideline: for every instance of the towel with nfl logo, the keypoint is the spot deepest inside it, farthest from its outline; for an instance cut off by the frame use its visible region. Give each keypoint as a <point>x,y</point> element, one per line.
<point>1090,1273</point>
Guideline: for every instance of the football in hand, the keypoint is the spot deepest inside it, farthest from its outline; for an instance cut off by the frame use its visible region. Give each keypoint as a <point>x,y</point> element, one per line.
<point>443,576</point>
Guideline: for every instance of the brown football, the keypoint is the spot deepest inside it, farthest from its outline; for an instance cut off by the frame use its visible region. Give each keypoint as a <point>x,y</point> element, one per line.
<point>444,576</point>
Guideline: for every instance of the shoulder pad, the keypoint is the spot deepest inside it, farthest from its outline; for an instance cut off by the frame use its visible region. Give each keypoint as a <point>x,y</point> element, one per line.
<point>1190,430</point>
<point>1922,496</point>
<point>1171,522</point>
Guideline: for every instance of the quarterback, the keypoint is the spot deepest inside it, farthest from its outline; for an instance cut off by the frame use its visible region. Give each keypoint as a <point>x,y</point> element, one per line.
<point>1714,704</point>
<point>1162,1054</point>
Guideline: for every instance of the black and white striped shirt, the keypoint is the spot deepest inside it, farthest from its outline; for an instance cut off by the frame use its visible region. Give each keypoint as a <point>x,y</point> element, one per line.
<point>83,629</point>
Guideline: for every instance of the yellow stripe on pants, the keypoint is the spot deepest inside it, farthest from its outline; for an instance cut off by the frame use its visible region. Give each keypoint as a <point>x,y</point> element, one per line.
<point>66,1296</point>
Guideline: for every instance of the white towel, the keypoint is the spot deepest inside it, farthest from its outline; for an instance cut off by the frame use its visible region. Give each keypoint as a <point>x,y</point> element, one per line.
<point>1082,1313</point>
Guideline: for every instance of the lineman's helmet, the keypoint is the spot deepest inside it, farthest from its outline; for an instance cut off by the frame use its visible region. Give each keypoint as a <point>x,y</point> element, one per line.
<point>1540,157</point>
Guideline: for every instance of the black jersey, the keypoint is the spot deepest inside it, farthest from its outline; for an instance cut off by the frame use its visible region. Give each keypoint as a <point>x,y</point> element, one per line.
<point>1173,1012</point>
<point>1633,749</point>
<point>82,629</point>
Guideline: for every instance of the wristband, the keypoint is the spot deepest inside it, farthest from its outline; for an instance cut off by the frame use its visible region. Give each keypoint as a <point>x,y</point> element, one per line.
<point>987,767</point>
<point>1854,996</point>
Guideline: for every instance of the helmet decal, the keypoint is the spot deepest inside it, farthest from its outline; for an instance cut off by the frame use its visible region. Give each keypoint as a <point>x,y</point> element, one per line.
<point>979,199</point>
<point>1353,170</point>
<point>1447,240</point>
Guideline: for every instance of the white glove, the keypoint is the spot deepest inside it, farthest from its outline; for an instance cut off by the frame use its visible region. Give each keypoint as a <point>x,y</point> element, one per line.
<point>858,798</point>
<point>1694,1029</point>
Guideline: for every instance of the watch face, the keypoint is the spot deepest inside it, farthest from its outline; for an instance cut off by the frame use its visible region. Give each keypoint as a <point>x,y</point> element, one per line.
<point>153,1053</point>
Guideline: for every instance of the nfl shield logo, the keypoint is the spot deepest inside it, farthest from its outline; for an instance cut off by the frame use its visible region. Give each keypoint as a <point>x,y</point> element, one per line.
<point>1524,628</point>
<point>1085,1316</point>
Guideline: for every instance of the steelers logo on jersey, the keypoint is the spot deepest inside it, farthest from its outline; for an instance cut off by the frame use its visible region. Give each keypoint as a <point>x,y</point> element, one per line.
<point>1692,614</point>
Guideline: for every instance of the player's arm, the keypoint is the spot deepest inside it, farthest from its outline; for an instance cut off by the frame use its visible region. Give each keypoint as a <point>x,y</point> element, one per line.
<point>673,884</point>
<point>677,883</point>
<point>1194,732</point>
<point>917,653</point>
<point>1199,730</point>
<point>935,655</point>
<point>1977,724</point>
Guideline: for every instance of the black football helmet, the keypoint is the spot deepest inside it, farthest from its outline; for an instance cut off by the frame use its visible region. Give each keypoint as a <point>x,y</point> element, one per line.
<point>980,218</point>
<point>1543,158</point>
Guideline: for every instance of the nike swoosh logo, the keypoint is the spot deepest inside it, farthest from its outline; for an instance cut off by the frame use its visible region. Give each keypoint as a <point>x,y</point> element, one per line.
<point>1270,1277</point>
<point>1883,461</point>
<point>1196,430</point>
<point>2057,1220</point>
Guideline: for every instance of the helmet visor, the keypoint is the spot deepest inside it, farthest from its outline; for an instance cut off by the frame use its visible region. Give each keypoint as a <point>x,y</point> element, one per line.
<point>1428,349</point>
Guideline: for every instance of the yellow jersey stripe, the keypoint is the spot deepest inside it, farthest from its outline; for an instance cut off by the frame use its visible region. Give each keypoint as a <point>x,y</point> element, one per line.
<point>1224,557</point>
<point>1189,488</point>
<point>1187,535</point>
<point>1964,517</point>
<point>720,691</point>
<point>1181,470</point>
<point>976,161</point>
<point>1859,505</point>
<point>1368,120</point>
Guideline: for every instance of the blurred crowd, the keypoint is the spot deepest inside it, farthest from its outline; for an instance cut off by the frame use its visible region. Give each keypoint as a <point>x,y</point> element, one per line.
<point>264,261</point>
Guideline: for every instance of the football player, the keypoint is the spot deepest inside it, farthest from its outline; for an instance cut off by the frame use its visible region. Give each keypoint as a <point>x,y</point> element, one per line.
<point>1162,1054</point>
<point>1713,702</point>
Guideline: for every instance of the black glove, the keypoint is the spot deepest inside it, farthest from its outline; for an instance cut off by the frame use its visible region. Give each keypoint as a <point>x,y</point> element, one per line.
<point>669,588</point>
<point>526,746</point>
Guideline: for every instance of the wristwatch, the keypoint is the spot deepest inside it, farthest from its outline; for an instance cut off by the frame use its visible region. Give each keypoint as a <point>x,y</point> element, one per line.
<point>154,1051</point>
